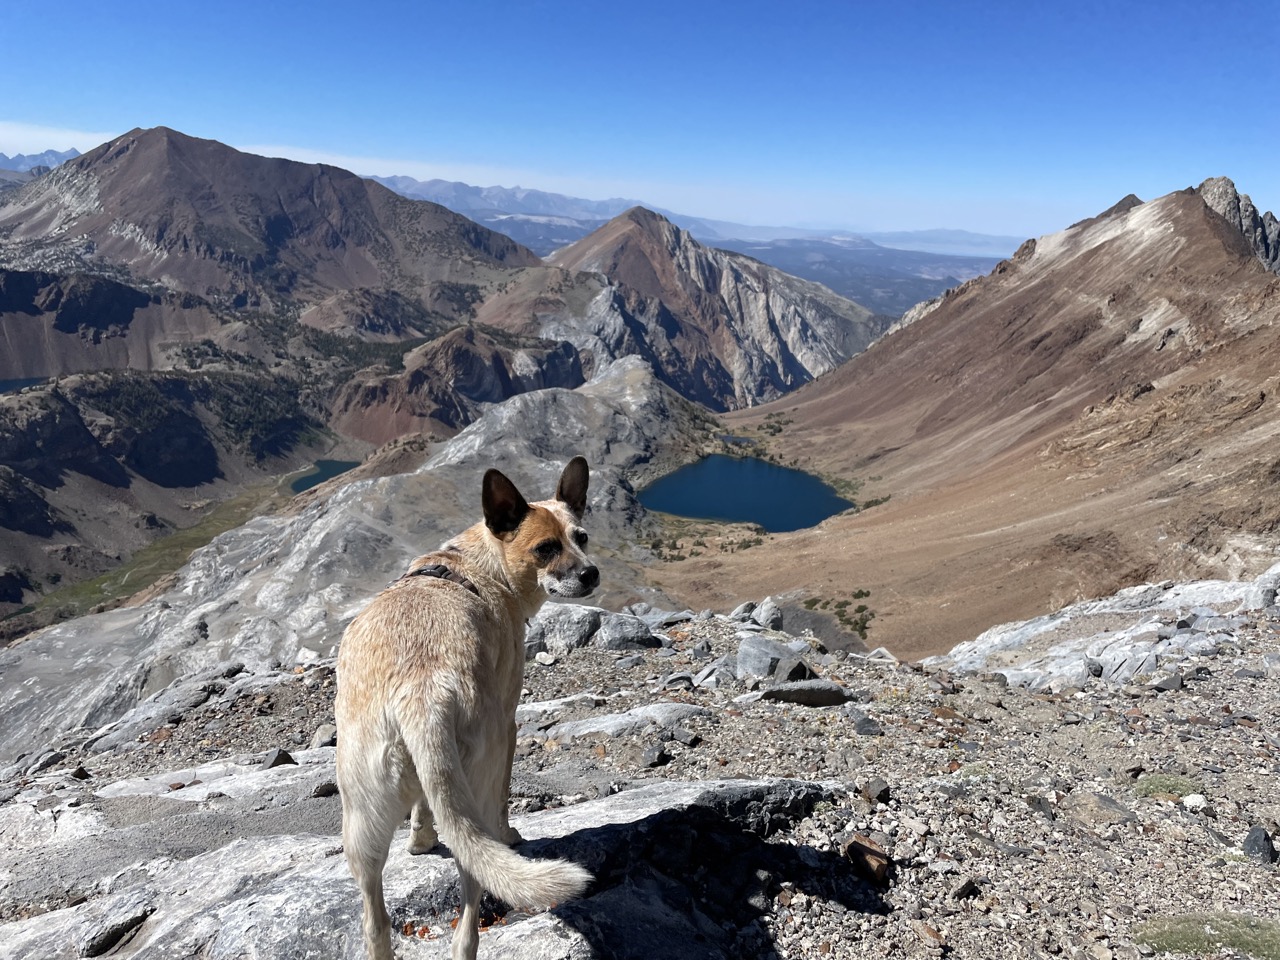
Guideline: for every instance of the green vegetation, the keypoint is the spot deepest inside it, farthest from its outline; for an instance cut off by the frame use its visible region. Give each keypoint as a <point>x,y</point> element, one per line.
<point>774,422</point>
<point>1201,934</point>
<point>857,620</point>
<point>257,414</point>
<point>682,538</point>
<point>355,354</point>
<point>158,559</point>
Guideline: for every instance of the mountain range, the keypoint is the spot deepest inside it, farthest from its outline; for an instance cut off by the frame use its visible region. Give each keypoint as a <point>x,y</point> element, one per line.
<point>1093,412</point>
<point>25,162</point>
<point>887,273</point>
<point>161,275</point>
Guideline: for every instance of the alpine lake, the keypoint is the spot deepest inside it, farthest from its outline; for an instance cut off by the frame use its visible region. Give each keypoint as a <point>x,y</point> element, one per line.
<point>744,490</point>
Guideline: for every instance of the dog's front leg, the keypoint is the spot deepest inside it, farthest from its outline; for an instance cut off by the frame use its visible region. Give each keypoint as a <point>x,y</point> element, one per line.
<point>510,835</point>
<point>422,828</point>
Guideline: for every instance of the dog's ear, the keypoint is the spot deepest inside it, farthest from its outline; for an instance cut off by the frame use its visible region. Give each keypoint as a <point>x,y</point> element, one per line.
<point>572,488</point>
<point>504,507</point>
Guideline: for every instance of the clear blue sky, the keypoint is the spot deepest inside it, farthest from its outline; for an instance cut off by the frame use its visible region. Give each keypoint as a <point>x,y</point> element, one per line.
<point>1002,117</point>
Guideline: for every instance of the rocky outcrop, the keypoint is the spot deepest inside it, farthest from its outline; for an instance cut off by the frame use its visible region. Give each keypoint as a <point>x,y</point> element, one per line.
<point>721,328</point>
<point>182,890</point>
<point>1261,231</point>
<point>1141,634</point>
<point>447,383</point>
<point>880,807</point>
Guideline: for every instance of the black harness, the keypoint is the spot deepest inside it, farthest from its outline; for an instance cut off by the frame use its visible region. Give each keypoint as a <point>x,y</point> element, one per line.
<point>443,571</point>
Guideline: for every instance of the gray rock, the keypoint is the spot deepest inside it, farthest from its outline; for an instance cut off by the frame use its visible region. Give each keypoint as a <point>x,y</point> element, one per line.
<point>1096,808</point>
<point>661,715</point>
<point>618,631</point>
<point>742,611</point>
<point>759,656</point>
<point>768,614</point>
<point>793,668</point>
<point>865,726</point>
<point>713,673</point>
<point>876,790</point>
<point>1271,664</point>
<point>1257,845</point>
<point>655,755</point>
<point>326,735</point>
<point>809,693</point>
<point>1168,684</point>
<point>559,628</point>
<point>277,758</point>
<point>1054,652</point>
<point>291,897</point>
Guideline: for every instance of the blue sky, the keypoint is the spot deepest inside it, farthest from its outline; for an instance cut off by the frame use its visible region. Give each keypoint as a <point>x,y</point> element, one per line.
<point>1011,118</point>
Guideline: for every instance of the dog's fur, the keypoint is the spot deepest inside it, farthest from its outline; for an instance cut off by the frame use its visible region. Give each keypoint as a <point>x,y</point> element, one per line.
<point>428,680</point>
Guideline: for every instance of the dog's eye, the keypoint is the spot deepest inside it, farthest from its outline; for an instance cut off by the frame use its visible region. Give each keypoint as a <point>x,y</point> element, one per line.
<point>547,550</point>
<point>580,538</point>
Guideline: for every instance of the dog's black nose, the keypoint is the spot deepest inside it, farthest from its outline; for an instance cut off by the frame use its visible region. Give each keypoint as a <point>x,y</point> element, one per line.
<point>590,577</point>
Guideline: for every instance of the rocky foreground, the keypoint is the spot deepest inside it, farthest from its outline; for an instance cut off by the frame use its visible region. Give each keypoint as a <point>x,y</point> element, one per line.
<point>737,791</point>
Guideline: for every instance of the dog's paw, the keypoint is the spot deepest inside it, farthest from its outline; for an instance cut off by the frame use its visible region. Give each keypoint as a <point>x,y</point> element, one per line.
<point>511,836</point>
<point>422,841</point>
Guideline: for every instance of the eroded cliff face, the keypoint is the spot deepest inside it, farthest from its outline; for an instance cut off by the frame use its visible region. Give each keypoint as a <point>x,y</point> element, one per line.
<point>1261,231</point>
<point>450,381</point>
<point>719,327</point>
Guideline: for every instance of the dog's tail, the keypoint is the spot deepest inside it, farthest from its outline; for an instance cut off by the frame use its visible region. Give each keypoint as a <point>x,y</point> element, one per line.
<point>516,880</point>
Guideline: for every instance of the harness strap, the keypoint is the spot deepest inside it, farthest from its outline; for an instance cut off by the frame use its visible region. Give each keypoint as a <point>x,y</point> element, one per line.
<point>443,572</point>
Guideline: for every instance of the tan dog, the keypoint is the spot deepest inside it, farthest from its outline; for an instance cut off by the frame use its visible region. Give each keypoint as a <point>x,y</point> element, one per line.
<point>428,680</point>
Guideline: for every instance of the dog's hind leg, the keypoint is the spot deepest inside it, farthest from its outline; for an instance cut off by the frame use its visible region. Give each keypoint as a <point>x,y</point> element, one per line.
<point>367,828</point>
<point>506,832</point>
<point>466,938</point>
<point>422,828</point>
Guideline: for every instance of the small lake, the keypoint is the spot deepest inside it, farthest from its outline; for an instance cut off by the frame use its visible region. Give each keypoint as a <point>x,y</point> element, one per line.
<point>322,471</point>
<point>13,386</point>
<point>745,490</point>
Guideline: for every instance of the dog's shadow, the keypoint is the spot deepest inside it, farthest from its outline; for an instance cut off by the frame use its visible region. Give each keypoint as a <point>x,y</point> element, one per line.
<point>693,883</point>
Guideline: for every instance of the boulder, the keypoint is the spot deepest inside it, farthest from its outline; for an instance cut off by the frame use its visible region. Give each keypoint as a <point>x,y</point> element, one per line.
<point>560,627</point>
<point>768,614</point>
<point>618,631</point>
<point>759,656</point>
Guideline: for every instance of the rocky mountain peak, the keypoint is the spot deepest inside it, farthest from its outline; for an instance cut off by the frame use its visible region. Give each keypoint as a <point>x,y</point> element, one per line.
<point>1262,231</point>
<point>201,217</point>
<point>722,328</point>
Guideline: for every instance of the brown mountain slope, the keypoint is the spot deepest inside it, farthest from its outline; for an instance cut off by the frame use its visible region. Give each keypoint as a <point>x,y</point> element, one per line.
<point>197,216</point>
<point>446,383</point>
<point>52,324</point>
<point>719,327</point>
<point>1098,411</point>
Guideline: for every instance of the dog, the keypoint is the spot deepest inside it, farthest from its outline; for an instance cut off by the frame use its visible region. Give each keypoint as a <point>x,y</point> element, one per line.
<point>429,675</point>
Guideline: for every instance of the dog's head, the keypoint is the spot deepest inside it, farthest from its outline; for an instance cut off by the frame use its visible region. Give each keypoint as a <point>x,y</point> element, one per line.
<point>544,540</point>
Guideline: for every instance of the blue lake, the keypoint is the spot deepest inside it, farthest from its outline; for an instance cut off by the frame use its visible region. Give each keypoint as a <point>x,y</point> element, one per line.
<point>13,386</point>
<point>745,490</point>
<point>322,471</point>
